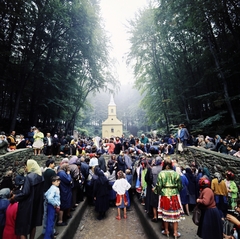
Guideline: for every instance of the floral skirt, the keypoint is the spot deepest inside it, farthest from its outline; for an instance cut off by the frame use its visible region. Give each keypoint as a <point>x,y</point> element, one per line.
<point>170,208</point>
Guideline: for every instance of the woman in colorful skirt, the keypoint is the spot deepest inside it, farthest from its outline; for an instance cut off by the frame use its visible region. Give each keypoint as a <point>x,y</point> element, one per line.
<point>169,208</point>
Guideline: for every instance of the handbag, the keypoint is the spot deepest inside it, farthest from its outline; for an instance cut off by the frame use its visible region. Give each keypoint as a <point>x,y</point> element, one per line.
<point>196,215</point>
<point>180,147</point>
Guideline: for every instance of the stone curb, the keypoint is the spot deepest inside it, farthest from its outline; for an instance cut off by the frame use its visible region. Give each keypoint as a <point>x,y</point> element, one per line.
<point>152,230</point>
<point>69,230</point>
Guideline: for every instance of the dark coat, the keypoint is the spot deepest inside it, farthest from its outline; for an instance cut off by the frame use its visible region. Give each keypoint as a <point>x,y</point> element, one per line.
<point>84,170</point>
<point>118,147</point>
<point>100,192</point>
<point>65,189</point>
<point>30,207</point>
<point>121,163</point>
<point>102,163</point>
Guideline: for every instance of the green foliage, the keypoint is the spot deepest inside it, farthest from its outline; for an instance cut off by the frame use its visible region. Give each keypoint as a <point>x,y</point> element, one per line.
<point>53,54</point>
<point>184,63</point>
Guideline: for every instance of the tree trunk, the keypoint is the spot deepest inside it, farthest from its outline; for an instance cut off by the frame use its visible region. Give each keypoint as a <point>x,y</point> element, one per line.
<point>225,87</point>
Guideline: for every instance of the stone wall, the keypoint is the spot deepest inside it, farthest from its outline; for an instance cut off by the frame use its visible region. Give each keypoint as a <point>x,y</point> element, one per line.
<point>16,159</point>
<point>214,161</point>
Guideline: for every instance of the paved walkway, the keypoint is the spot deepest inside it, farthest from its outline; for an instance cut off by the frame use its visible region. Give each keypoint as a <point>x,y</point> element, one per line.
<point>138,225</point>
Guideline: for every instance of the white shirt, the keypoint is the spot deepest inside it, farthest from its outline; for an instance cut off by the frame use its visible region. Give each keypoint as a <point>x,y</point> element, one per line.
<point>121,186</point>
<point>49,141</point>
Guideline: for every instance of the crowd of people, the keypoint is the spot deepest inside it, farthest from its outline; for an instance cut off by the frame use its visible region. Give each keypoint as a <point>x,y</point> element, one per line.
<point>60,145</point>
<point>140,166</point>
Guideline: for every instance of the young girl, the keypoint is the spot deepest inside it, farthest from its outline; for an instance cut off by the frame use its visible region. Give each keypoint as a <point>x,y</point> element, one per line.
<point>121,185</point>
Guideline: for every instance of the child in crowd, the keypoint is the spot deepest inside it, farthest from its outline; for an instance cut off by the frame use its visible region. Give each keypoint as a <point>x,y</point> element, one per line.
<point>53,199</point>
<point>121,185</point>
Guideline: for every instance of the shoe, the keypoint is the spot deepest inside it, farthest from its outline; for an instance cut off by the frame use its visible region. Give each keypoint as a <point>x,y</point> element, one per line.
<point>72,209</point>
<point>165,233</point>
<point>69,216</point>
<point>143,203</point>
<point>154,220</point>
<point>118,217</point>
<point>55,233</point>
<point>177,236</point>
<point>125,216</point>
<point>59,224</point>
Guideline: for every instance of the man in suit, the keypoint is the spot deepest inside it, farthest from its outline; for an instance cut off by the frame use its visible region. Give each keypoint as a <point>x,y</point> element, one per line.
<point>48,144</point>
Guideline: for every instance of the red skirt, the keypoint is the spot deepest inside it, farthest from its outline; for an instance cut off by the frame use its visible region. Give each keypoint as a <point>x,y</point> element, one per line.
<point>121,200</point>
<point>170,208</point>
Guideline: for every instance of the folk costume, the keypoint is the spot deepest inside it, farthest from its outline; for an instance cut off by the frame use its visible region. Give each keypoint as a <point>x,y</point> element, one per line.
<point>168,187</point>
<point>121,186</point>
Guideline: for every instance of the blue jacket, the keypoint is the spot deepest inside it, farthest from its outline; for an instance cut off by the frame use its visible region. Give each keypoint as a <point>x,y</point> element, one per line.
<point>184,135</point>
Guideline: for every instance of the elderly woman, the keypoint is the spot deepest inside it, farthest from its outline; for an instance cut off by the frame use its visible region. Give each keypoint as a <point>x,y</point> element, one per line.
<point>220,191</point>
<point>30,198</point>
<point>168,187</point>
<point>65,193</point>
<point>211,225</point>
<point>74,172</point>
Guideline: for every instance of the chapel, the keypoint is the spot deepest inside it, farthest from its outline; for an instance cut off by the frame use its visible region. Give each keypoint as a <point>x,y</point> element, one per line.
<point>112,127</point>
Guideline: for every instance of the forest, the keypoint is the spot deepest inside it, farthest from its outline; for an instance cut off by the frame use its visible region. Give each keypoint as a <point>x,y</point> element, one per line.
<point>55,62</point>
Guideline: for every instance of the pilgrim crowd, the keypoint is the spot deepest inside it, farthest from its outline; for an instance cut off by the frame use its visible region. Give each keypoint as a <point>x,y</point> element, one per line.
<point>137,166</point>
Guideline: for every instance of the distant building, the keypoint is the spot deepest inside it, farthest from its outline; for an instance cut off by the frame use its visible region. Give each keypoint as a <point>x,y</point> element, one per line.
<point>112,126</point>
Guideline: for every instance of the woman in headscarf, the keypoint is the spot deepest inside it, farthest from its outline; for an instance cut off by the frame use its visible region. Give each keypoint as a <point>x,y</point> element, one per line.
<point>211,225</point>
<point>4,202</point>
<point>156,169</point>
<point>65,193</point>
<point>169,208</point>
<point>220,194</point>
<point>184,195</point>
<point>192,187</point>
<point>74,172</point>
<point>100,192</point>
<point>111,176</point>
<point>30,198</point>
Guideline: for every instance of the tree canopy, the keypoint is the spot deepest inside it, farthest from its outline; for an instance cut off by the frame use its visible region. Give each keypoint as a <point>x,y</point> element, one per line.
<point>186,57</point>
<point>53,54</point>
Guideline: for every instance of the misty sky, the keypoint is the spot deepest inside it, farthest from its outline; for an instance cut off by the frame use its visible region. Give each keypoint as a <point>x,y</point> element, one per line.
<point>115,13</point>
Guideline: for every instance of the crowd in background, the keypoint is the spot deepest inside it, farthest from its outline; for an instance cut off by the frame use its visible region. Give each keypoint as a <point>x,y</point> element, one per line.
<point>143,162</point>
<point>60,145</point>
